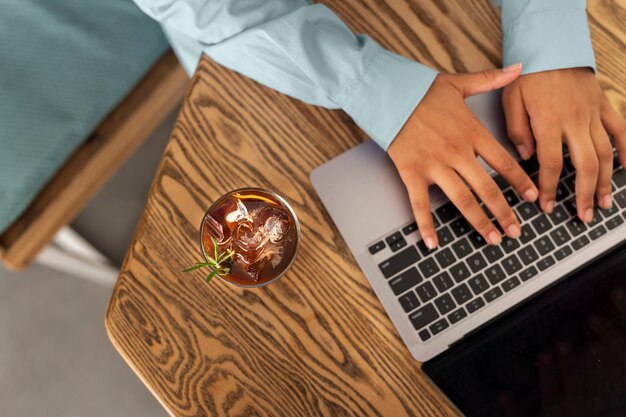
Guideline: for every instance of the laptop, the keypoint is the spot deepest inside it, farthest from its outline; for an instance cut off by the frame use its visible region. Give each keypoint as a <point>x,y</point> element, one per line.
<point>491,323</point>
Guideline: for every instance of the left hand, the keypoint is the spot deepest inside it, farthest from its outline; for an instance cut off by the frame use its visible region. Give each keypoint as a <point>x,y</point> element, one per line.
<point>547,109</point>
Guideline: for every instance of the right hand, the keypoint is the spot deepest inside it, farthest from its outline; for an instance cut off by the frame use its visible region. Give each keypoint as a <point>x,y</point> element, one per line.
<point>439,144</point>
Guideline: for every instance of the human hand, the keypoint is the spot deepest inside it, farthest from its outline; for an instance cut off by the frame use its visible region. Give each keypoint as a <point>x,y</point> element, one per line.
<point>548,109</point>
<point>439,144</point>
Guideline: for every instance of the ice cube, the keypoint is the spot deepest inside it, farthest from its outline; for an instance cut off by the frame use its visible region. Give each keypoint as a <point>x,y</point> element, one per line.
<point>214,228</point>
<point>274,223</point>
<point>236,212</point>
<point>250,241</point>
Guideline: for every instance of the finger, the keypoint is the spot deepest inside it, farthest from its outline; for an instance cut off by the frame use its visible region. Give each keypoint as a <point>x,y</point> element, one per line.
<point>585,161</point>
<point>489,192</point>
<point>417,189</point>
<point>604,152</point>
<point>484,81</point>
<point>518,123</point>
<point>550,156</point>
<point>502,162</point>
<point>456,190</point>
<point>615,125</point>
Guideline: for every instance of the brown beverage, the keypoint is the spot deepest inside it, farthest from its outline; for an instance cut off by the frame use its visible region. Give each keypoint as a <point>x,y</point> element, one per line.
<point>259,227</point>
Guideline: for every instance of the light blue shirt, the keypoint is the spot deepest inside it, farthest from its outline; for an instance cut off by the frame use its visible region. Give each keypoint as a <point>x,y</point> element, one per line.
<point>307,52</point>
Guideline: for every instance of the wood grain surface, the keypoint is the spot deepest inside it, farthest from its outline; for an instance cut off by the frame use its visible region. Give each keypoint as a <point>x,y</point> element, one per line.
<point>317,342</point>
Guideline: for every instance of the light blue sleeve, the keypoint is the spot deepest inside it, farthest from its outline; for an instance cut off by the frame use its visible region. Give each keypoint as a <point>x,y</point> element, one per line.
<point>306,52</point>
<point>546,34</point>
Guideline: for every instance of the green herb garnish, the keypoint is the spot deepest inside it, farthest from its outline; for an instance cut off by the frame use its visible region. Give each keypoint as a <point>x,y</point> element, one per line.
<point>219,263</point>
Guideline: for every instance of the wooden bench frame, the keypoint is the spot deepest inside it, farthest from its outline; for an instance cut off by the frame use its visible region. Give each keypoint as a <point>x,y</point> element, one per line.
<point>86,171</point>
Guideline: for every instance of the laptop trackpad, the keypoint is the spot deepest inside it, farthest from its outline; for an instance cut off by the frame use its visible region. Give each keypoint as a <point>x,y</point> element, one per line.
<point>561,354</point>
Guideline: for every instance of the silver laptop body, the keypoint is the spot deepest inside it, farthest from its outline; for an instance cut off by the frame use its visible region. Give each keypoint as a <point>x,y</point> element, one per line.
<point>367,201</point>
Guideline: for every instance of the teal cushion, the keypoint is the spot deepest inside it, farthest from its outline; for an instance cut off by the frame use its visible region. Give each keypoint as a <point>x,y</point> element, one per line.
<point>64,65</point>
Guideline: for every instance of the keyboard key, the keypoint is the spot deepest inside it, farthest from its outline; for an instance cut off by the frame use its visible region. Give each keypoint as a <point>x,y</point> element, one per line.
<point>509,244</point>
<point>394,237</point>
<point>424,316</point>
<point>563,253</point>
<point>570,206</point>
<point>545,263</point>
<point>511,264</point>
<point>421,246</point>
<point>406,280</point>
<point>439,326</point>
<point>461,294</point>
<point>445,304</point>
<point>428,267</point>
<point>614,222</point>
<point>568,166</point>
<point>445,257</point>
<point>495,274</point>
<point>580,242</point>
<point>576,226</point>
<point>475,304</point>
<point>570,182</point>
<point>597,218</point>
<point>530,166</point>
<point>377,247</point>
<point>541,224</point>
<point>461,248</point>
<point>399,261</point>
<point>561,192</point>
<point>501,182</point>
<point>619,178</point>
<point>597,232</point>
<point>443,282</point>
<point>410,228</point>
<point>477,240</point>
<point>510,283</point>
<point>478,284</point>
<point>528,273</point>
<point>560,236</point>
<point>493,294</point>
<point>476,262</point>
<point>527,210</point>
<point>409,301</point>
<point>445,236</point>
<point>426,291</point>
<point>610,211</point>
<point>447,212</point>
<point>397,245</point>
<point>544,245</point>
<point>460,226</point>
<point>559,215</point>
<point>620,198</point>
<point>493,253</point>
<point>528,234</point>
<point>459,272</point>
<point>528,255</point>
<point>424,335</point>
<point>457,315</point>
<point>511,197</point>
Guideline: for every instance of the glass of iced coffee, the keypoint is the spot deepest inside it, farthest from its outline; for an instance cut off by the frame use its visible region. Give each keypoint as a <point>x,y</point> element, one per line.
<point>249,237</point>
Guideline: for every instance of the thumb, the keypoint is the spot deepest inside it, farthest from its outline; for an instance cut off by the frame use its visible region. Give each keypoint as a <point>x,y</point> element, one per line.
<point>484,81</point>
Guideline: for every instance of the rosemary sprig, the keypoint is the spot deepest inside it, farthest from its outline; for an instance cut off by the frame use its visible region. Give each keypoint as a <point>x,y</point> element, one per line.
<point>219,263</point>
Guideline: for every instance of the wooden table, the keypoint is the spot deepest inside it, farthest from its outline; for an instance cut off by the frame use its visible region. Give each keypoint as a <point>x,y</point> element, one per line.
<point>317,342</point>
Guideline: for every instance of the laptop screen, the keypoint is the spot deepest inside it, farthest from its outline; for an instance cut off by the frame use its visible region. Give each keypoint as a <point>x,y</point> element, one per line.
<point>561,354</point>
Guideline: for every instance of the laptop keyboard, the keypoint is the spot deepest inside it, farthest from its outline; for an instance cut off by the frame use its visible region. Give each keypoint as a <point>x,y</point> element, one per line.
<point>439,288</point>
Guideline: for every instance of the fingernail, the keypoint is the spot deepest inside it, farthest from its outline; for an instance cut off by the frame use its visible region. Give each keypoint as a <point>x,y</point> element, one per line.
<point>512,68</point>
<point>588,215</point>
<point>549,206</point>
<point>514,231</point>
<point>494,238</point>
<point>523,151</point>
<point>430,243</point>
<point>531,195</point>
<point>607,202</point>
